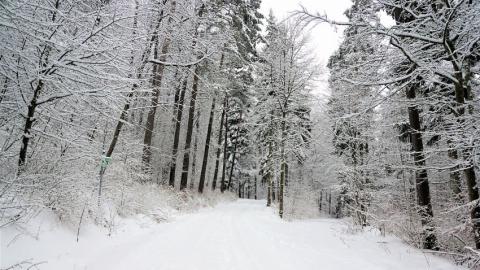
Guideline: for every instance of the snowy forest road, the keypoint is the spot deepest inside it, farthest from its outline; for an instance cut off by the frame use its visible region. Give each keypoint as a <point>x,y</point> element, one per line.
<point>243,235</point>
<point>247,235</point>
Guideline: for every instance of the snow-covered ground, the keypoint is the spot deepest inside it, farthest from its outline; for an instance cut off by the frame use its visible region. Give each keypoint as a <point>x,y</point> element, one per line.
<point>238,235</point>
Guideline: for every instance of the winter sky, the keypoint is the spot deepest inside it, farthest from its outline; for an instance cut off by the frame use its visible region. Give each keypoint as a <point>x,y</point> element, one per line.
<point>324,38</point>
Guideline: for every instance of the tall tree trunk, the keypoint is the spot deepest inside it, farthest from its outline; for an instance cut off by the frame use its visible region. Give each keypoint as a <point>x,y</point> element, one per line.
<point>270,193</point>
<point>207,142</point>
<point>28,127</point>
<point>455,178</point>
<point>286,173</point>
<point>462,93</point>
<point>274,189</point>
<point>206,150</point>
<point>158,70</point>
<point>232,166</point>
<point>118,127</point>
<point>255,182</point>
<point>462,88</point>
<point>219,149</point>
<point>4,88</point>
<point>123,115</point>
<point>421,177</point>
<point>225,144</point>
<point>239,190</point>
<point>177,119</point>
<point>283,166</point>
<point>194,152</point>
<point>473,197</point>
<point>320,201</point>
<point>330,203</point>
<point>191,114</point>
<point>188,139</point>
<point>150,123</point>
<point>30,119</point>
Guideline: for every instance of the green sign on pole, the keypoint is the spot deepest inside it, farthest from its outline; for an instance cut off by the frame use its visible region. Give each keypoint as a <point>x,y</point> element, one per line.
<point>105,161</point>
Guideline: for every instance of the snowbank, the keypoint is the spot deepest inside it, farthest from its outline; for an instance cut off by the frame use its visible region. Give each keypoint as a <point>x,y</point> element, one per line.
<point>24,244</point>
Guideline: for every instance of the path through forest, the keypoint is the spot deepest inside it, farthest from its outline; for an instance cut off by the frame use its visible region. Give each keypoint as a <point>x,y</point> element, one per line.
<point>242,235</point>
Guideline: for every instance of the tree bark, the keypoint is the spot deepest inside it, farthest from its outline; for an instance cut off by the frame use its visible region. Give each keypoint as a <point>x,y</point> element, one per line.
<point>118,127</point>
<point>239,190</point>
<point>234,154</point>
<point>421,176</point>
<point>283,166</point>
<point>28,127</point>
<point>274,189</point>
<point>475,210</point>
<point>255,182</point>
<point>203,172</point>
<point>329,203</point>
<point>158,70</point>
<point>270,175</point>
<point>320,201</point>
<point>455,178</point>
<point>4,88</point>
<point>194,153</point>
<point>286,173</point>
<point>219,149</point>
<point>188,139</point>
<point>461,93</point>
<point>225,144</point>
<point>138,75</point>
<point>180,92</point>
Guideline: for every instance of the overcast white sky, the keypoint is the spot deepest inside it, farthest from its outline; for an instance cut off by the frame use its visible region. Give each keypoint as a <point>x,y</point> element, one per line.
<point>324,38</point>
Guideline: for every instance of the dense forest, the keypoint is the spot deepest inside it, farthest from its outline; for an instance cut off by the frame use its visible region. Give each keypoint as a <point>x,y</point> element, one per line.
<point>108,107</point>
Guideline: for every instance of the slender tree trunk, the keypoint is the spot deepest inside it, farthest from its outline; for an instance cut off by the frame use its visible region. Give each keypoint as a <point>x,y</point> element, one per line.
<point>462,90</point>
<point>473,197</point>
<point>30,119</point>
<point>274,189</point>
<point>286,173</point>
<point>206,151</point>
<point>28,127</point>
<point>178,123</point>
<point>455,178</point>
<point>139,71</point>
<point>462,93</point>
<point>225,144</point>
<point>118,127</point>
<point>270,193</point>
<point>329,203</point>
<point>320,201</point>
<point>232,166</point>
<point>283,167</point>
<point>239,190</point>
<point>421,176</point>
<point>188,139</point>
<point>255,182</point>
<point>4,88</point>
<point>126,107</point>
<point>219,149</point>
<point>158,70</point>
<point>194,153</point>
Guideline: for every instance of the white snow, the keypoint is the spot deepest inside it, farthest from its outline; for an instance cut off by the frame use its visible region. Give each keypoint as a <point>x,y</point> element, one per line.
<point>239,235</point>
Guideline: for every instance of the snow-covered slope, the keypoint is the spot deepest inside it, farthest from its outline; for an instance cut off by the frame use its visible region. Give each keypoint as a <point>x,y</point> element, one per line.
<point>239,235</point>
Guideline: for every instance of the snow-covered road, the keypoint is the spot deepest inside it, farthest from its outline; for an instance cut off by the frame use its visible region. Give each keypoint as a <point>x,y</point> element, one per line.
<point>240,235</point>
